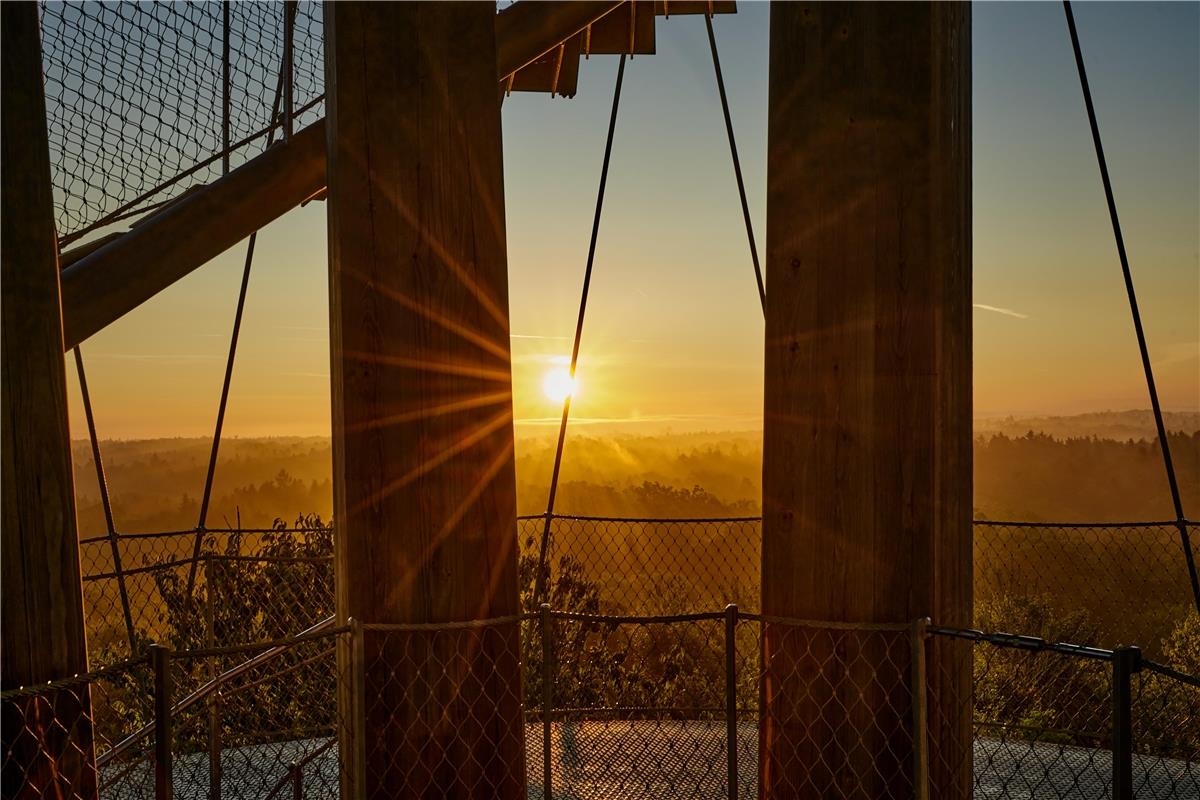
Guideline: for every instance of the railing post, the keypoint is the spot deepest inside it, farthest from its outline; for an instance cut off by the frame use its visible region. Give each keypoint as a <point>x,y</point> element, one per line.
<point>547,699</point>
<point>353,744</point>
<point>296,773</point>
<point>160,660</point>
<point>1126,661</point>
<point>918,635</point>
<point>225,7</point>
<point>289,21</point>
<point>731,721</point>
<point>214,699</point>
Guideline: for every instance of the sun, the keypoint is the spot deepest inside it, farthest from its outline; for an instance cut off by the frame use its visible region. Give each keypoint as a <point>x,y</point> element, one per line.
<point>558,384</point>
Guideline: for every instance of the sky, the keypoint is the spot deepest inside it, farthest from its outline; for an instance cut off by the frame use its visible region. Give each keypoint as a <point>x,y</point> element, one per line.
<point>674,333</point>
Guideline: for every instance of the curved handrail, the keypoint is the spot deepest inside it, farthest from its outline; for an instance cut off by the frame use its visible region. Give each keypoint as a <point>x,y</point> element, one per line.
<point>215,683</point>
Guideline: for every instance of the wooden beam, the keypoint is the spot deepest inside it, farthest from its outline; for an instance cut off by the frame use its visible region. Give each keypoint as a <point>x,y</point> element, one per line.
<point>424,486</point>
<point>47,741</point>
<point>867,441</point>
<point>115,279</point>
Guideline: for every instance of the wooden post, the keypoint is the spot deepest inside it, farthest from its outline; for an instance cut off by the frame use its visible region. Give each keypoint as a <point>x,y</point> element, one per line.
<point>867,444</point>
<point>41,599</point>
<point>424,486</point>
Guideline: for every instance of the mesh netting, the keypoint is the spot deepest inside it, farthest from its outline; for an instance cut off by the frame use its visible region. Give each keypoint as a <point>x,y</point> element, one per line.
<point>135,97</point>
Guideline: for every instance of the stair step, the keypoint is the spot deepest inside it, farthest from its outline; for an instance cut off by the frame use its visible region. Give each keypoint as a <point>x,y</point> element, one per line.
<point>628,29</point>
<point>557,72</point>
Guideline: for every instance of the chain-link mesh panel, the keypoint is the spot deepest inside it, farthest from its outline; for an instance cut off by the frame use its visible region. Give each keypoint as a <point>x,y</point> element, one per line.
<point>1166,734</point>
<point>442,710</point>
<point>647,707</point>
<point>614,706</point>
<point>251,585</point>
<point>1096,585</point>
<point>647,566</point>
<point>59,738</point>
<point>836,716</point>
<point>1044,721</point>
<point>1112,584</point>
<point>1120,584</point>
<point>269,730</point>
<point>638,707</point>
<point>135,97</point>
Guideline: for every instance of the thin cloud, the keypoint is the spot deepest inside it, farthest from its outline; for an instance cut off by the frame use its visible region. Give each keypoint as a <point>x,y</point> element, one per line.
<point>1178,353</point>
<point>155,356</point>
<point>1008,312</point>
<point>656,418</point>
<point>534,336</point>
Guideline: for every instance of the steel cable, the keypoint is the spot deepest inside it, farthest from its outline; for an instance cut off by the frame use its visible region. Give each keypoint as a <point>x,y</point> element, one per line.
<point>1164,445</point>
<point>539,581</point>
<point>737,163</point>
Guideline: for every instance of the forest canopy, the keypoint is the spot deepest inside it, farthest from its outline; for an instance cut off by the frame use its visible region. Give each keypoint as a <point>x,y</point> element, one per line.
<point>1036,476</point>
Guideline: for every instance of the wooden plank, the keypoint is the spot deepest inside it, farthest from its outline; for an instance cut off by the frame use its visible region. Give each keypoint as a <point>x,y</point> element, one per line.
<point>527,31</point>
<point>683,8</point>
<point>424,486</point>
<point>867,441</point>
<point>629,29</point>
<point>120,276</point>
<point>47,741</point>
<point>556,73</point>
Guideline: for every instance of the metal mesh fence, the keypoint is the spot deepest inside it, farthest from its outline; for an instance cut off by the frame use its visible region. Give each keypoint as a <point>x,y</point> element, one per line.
<point>1166,733</point>
<point>641,705</point>
<point>1119,583</point>
<point>53,735</point>
<point>442,709</point>
<point>1046,726</point>
<point>255,721</point>
<point>264,722</point>
<point>652,566</point>
<point>143,100</point>
<point>251,585</point>
<point>836,717</point>
<point>1102,584</point>
<point>638,707</point>
<point>567,705</point>
<point>1099,585</point>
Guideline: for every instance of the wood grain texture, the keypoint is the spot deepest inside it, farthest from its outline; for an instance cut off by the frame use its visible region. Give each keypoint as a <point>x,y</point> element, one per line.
<point>42,610</point>
<point>424,485</point>
<point>41,605</point>
<point>867,444</point>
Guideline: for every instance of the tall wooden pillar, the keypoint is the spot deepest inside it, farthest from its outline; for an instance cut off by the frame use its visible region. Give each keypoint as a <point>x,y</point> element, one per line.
<point>424,486</point>
<point>41,600</point>
<point>867,445</point>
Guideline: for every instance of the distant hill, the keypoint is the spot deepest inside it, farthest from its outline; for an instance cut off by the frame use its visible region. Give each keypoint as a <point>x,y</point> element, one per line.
<point>1119,425</point>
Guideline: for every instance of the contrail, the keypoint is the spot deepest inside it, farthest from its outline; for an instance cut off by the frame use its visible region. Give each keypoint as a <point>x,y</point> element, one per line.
<point>1008,312</point>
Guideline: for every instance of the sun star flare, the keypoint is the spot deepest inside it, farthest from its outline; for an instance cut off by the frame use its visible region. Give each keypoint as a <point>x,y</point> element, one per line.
<point>558,384</point>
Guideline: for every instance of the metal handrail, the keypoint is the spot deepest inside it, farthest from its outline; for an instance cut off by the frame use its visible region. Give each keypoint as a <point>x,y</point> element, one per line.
<point>215,683</point>
<point>1019,642</point>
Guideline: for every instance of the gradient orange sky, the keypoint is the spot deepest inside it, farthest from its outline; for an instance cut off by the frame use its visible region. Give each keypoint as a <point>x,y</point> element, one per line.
<point>674,331</point>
